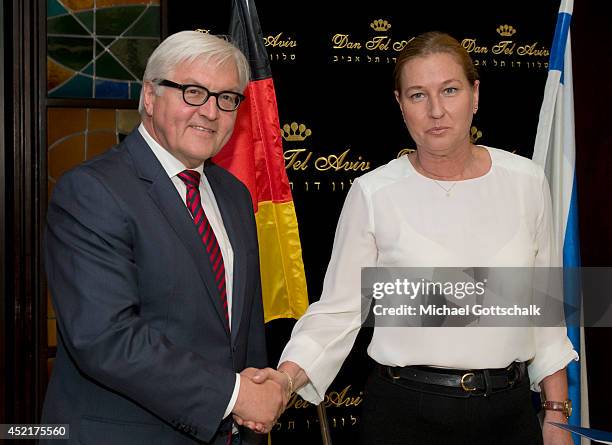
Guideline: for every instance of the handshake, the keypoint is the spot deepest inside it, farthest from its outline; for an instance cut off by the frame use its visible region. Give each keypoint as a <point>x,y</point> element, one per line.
<point>264,394</point>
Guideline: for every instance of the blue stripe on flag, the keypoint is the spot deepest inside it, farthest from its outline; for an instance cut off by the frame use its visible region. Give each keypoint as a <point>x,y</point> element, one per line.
<point>571,243</point>
<point>573,378</point>
<point>557,52</point>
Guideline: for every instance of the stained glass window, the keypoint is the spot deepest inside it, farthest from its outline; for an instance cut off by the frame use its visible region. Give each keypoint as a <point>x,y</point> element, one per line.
<point>77,134</point>
<point>99,48</point>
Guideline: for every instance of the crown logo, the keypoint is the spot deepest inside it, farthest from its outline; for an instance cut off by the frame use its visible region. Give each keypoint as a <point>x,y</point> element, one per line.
<point>506,30</point>
<point>295,132</point>
<point>380,25</point>
<point>203,31</point>
<point>475,134</point>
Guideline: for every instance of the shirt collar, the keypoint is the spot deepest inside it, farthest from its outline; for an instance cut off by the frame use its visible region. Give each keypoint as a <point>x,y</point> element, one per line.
<point>171,165</point>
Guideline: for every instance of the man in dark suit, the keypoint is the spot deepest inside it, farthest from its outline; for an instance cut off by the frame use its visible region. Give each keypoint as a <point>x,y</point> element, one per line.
<point>152,260</point>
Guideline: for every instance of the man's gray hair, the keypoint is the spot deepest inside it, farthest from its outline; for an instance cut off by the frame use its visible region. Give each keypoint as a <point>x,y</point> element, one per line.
<point>187,46</point>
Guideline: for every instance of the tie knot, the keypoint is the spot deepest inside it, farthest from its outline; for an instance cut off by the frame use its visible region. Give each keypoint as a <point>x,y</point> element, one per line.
<point>190,178</point>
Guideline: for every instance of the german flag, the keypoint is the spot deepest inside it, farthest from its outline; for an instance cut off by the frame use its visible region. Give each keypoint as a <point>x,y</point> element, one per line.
<point>254,154</point>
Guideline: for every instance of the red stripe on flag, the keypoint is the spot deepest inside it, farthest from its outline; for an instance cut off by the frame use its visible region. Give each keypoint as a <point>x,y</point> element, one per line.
<point>254,154</point>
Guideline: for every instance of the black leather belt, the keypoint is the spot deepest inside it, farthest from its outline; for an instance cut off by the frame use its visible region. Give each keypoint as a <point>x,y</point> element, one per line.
<point>484,381</point>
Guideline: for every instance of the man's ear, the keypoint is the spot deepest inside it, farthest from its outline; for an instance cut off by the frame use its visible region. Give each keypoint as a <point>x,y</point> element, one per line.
<point>149,97</point>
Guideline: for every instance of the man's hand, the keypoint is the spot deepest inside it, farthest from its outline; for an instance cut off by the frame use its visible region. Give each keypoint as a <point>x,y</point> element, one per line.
<point>259,404</point>
<point>282,378</point>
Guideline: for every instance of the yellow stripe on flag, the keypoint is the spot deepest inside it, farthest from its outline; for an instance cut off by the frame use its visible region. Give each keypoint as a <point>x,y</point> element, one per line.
<point>283,283</point>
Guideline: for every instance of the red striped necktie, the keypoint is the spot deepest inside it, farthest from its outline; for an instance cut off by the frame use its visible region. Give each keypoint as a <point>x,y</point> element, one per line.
<point>191,178</point>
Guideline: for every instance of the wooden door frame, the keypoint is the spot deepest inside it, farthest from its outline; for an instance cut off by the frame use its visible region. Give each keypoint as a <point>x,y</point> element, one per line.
<point>23,192</point>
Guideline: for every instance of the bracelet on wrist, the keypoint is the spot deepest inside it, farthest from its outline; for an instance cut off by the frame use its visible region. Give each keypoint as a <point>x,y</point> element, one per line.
<point>290,383</point>
<point>564,406</point>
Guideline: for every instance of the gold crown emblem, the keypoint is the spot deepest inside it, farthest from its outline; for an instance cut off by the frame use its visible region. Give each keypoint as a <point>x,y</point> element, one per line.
<point>380,25</point>
<point>295,132</point>
<point>475,134</point>
<point>506,30</point>
<point>203,31</point>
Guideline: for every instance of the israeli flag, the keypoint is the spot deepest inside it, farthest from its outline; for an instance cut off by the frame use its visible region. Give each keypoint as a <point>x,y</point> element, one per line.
<point>555,151</point>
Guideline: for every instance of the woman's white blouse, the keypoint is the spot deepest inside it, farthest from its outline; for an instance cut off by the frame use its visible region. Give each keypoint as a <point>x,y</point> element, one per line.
<point>396,217</point>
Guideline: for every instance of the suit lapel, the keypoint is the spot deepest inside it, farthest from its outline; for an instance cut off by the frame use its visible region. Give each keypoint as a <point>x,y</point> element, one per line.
<point>163,192</point>
<point>232,223</point>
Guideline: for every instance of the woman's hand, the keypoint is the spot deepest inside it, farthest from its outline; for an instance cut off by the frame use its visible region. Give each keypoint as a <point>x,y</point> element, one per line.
<point>553,435</point>
<point>554,387</point>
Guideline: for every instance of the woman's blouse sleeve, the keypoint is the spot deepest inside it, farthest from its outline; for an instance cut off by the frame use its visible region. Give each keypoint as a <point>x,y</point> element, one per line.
<point>324,336</point>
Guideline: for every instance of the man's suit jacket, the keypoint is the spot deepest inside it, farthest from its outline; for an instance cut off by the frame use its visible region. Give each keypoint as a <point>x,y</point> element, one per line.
<point>143,354</point>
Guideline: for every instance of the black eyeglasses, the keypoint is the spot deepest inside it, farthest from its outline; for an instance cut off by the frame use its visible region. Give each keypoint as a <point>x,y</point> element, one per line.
<point>197,95</point>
